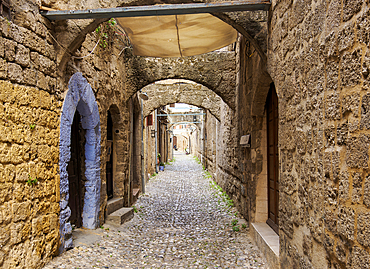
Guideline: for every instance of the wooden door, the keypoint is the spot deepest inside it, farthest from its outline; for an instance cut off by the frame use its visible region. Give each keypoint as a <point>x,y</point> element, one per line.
<point>273,159</point>
<point>109,163</point>
<point>74,176</point>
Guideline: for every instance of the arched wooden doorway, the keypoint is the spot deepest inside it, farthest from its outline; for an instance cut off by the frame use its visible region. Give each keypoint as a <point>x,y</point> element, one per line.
<point>273,159</point>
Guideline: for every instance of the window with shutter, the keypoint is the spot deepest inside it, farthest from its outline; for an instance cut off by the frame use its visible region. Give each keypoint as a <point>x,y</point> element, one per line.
<point>149,120</point>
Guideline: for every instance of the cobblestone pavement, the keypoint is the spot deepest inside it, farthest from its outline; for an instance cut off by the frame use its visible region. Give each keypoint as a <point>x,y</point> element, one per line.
<point>182,222</point>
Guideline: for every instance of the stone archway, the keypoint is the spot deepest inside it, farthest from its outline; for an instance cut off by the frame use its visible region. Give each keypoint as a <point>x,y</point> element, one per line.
<point>80,97</point>
<point>181,91</point>
<point>215,70</point>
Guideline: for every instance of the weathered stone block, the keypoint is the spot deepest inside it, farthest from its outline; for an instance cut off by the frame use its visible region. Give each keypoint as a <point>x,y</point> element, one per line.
<point>358,258</point>
<point>351,104</point>
<point>365,112</point>
<point>331,221</point>
<point>363,28</point>
<point>4,235</point>
<point>363,229</point>
<point>351,68</point>
<point>332,106</point>
<point>350,8</point>
<point>346,222</point>
<point>356,187</point>
<point>346,37</point>
<point>332,74</point>
<point>22,56</point>
<point>333,15</point>
<point>300,9</point>
<point>340,251</point>
<point>3,69</point>
<point>367,192</point>
<point>15,72</point>
<point>10,50</point>
<point>29,77</point>
<point>16,234</point>
<point>21,211</point>
<point>2,47</point>
<point>357,152</point>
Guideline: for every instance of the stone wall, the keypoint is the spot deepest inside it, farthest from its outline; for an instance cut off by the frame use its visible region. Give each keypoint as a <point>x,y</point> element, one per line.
<point>29,175</point>
<point>29,127</point>
<point>104,69</point>
<point>319,61</point>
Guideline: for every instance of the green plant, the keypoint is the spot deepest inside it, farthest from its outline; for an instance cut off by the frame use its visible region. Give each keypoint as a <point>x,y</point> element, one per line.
<point>103,35</point>
<point>244,226</point>
<point>135,209</point>
<point>235,225</point>
<point>208,174</point>
<point>161,164</point>
<point>154,174</point>
<point>196,158</point>
<point>159,155</point>
<point>32,126</point>
<point>31,181</point>
<point>112,22</point>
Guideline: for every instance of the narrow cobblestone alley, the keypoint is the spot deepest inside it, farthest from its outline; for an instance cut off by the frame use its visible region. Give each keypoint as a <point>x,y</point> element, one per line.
<point>180,223</point>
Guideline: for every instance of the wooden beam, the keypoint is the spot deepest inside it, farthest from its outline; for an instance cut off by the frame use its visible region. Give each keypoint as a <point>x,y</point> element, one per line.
<point>158,10</point>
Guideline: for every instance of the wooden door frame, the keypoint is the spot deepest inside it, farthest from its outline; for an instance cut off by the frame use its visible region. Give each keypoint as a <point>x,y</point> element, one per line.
<point>273,224</point>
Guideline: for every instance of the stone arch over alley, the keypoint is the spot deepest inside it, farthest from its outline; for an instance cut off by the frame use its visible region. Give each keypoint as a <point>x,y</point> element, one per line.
<point>80,98</point>
<point>214,70</point>
<point>181,91</point>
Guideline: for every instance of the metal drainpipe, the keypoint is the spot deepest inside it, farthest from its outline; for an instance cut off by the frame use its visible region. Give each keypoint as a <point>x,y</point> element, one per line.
<point>155,140</point>
<point>142,149</point>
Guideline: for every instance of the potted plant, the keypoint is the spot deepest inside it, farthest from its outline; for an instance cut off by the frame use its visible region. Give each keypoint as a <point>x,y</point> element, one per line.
<point>161,166</point>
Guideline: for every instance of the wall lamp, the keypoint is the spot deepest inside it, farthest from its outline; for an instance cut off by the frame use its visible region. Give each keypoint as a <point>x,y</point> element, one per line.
<point>143,95</point>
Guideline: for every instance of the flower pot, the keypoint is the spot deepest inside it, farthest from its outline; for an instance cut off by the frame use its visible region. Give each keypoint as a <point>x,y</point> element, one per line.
<point>161,168</point>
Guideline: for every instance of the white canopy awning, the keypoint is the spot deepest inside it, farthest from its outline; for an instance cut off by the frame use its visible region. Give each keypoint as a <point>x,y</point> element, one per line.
<point>177,35</point>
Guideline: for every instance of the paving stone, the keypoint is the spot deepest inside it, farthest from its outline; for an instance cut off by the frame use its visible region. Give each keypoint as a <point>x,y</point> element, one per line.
<point>181,222</point>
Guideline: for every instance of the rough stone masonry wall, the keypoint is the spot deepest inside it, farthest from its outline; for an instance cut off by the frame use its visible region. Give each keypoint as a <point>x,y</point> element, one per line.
<point>319,59</point>
<point>29,131</point>
<point>29,176</point>
<point>104,70</point>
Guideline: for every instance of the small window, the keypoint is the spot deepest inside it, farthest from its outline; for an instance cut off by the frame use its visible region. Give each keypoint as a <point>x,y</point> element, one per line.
<point>172,105</point>
<point>5,9</point>
<point>149,120</point>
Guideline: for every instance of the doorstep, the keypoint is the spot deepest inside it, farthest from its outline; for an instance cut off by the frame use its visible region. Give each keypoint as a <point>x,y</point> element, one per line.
<point>268,243</point>
<point>114,204</point>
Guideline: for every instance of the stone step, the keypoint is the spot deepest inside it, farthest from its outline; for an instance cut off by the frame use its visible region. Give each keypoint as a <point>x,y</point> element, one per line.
<point>114,204</point>
<point>135,194</point>
<point>120,216</point>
